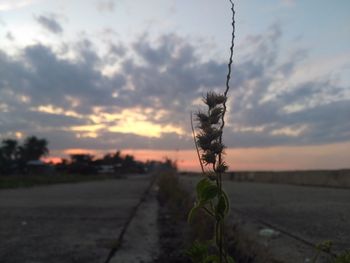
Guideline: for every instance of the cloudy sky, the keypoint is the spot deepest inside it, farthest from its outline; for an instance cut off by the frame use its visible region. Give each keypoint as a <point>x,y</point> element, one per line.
<point>100,75</point>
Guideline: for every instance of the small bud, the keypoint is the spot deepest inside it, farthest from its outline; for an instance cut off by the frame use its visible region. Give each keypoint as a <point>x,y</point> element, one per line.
<point>210,99</point>
<point>215,115</point>
<point>203,141</point>
<point>220,99</point>
<point>221,168</point>
<point>217,147</point>
<point>202,117</point>
<point>208,157</point>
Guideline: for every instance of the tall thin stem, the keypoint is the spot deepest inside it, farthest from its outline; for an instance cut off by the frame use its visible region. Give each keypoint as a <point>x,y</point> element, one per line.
<point>228,77</point>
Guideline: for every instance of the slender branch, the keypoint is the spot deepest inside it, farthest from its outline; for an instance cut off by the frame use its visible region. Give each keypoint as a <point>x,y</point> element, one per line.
<point>229,65</point>
<point>195,143</point>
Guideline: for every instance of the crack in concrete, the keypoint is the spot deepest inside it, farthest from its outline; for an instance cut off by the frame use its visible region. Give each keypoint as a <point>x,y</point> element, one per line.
<point>119,240</point>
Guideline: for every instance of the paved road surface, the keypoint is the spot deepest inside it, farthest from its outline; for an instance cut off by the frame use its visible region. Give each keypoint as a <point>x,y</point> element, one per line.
<point>313,214</point>
<point>65,223</point>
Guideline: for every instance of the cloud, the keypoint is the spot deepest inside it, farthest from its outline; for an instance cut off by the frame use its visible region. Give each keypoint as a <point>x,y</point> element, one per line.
<point>7,5</point>
<point>105,6</point>
<point>289,2</point>
<point>9,36</point>
<point>74,104</point>
<point>267,111</point>
<point>50,24</point>
<point>2,23</point>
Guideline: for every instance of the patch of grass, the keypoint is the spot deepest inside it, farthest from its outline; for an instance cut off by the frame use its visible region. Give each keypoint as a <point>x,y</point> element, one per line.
<point>173,195</point>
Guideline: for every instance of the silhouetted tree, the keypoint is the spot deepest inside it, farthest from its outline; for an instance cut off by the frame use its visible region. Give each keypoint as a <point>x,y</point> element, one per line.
<point>82,164</point>
<point>33,149</point>
<point>8,155</point>
<point>81,158</point>
<point>9,149</point>
<point>112,159</point>
<point>128,162</point>
<point>168,163</point>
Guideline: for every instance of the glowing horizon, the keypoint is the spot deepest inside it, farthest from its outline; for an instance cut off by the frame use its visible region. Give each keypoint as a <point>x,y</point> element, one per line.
<point>247,159</point>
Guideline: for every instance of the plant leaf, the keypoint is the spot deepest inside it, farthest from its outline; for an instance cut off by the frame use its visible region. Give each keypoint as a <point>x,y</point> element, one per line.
<point>230,259</point>
<point>198,252</point>
<point>209,192</point>
<point>191,213</point>
<point>227,201</point>
<point>201,185</point>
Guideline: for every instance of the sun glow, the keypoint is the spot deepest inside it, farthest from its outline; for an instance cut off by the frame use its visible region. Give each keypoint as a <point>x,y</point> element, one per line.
<point>137,121</point>
<point>143,128</point>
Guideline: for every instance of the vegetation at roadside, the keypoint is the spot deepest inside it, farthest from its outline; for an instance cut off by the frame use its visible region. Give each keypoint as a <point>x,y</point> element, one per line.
<point>326,246</point>
<point>19,181</point>
<point>176,235</point>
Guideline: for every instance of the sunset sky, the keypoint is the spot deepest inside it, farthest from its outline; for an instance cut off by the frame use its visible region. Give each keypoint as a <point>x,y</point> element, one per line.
<point>98,76</point>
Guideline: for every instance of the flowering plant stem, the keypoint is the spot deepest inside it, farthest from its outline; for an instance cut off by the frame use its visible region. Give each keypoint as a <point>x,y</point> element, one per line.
<point>211,197</point>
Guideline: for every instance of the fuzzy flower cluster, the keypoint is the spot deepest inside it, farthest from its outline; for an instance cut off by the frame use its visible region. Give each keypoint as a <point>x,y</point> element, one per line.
<point>209,138</point>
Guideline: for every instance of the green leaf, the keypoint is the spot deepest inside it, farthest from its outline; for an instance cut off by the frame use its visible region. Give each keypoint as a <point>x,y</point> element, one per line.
<point>206,191</point>
<point>230,259</point>
<point>209,192</point>
<point>192,212</point>
<point>198,252</point>
<point>201,185</point>
<point>227,201</point>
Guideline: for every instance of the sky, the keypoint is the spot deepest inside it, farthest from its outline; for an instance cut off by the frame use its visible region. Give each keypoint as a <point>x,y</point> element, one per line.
<point>97,76</point>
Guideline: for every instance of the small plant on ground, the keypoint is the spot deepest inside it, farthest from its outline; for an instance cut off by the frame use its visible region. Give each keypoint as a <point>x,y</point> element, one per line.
<point>326,246</point>
<point>343,258</point>
<point>211,197</point>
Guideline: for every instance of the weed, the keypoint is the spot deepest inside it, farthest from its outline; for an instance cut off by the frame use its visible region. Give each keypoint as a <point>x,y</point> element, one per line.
<point>326,246</point>
<point>211,197</point>
<point>343,258</point>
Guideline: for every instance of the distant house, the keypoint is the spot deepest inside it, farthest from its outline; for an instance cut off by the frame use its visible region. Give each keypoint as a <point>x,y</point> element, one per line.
<point>109,168</point>
<point>105,169</point>
<point>38,167</point>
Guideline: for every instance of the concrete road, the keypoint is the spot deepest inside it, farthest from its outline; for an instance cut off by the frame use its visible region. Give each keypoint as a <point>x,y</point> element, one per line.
<point>314,214</point>
<point>66,223</point>
<point>303,216</point>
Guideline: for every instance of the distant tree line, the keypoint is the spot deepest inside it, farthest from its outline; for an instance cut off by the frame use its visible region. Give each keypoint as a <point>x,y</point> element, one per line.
<point>14,156</point>
<point>25,158</point>
<point>110,163</point>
